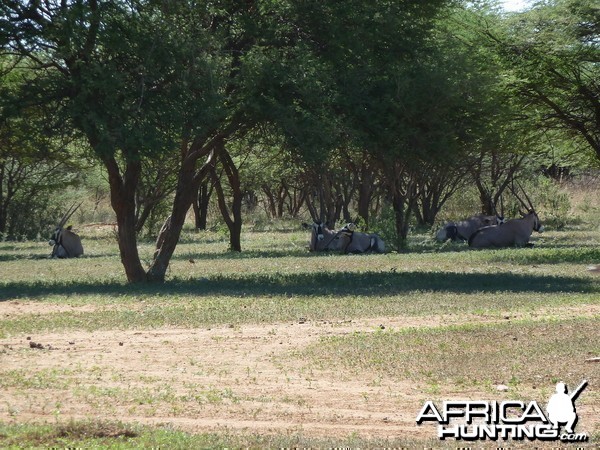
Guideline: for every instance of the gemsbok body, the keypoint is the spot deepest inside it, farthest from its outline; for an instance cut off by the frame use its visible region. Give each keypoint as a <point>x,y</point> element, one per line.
<point>351,241</point>
<point>462,231</point>
<point>346,240</point>
<point>513,233</point>
<point>65,243</point>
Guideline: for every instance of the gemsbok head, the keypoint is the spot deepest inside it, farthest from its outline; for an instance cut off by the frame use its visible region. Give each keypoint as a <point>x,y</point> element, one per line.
<point>513,233</point>
<point>65,243</point>
<point>321,237</point>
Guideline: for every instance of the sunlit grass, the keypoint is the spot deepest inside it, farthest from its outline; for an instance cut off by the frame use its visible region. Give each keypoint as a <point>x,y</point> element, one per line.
<point>521,354</point>
<point>116,435</point>
<point>276,279</point>
<point>131,312</point>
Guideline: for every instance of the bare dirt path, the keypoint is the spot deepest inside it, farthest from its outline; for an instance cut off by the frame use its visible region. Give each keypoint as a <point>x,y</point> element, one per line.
<point>240,378</point>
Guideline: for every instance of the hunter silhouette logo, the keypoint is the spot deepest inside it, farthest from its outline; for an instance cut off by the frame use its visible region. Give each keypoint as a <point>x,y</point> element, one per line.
<point>561,407</point>
<point>509,419</point>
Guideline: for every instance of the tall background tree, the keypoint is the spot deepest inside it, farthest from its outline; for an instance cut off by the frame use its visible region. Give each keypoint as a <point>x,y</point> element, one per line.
<point>552,52</point>
<point>37,162</point>
<point>346,109</point>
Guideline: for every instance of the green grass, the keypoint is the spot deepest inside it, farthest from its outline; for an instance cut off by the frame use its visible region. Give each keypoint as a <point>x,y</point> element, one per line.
<point>116,435</point>
<point>527,354</point>
<point>41,379</point>
<point>275,279</point>
<point>208,311</point>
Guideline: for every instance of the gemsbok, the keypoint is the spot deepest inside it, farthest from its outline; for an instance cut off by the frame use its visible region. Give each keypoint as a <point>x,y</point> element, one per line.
<point>462,231</point>
<point>351,241</point>
<point>345,240</point>
<point>321,237</point>
<point>513,233</point>
<point>66,244</point>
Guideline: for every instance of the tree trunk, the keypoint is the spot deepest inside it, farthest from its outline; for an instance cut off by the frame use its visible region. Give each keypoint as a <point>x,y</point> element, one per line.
<point>233,219</point>
<point>428,206</point>
<point>200,204</point>
<point>188,180</point>
<point>403,201</point>
<point>485,199</point>
<point>401,216</point>
<point>364,202</point>
<point>312,208</point>
<point>143,217</point>
<point>2,203</point>
<point>171,230</point>
<point>270,201</point>
<point>365,194</point>
<point>297,199</point>
<point>330,207</point>
<point>122,197</point>
<point>281,196</point>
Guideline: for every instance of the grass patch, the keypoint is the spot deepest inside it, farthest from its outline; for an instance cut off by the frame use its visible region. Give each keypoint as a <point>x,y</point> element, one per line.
<point>193,312</point>
<point>532,354</point>
<point>41,379</point>
<point>91,434</point>
<point>364,283</point>
<point>117,435</point>
<point>276,279</point>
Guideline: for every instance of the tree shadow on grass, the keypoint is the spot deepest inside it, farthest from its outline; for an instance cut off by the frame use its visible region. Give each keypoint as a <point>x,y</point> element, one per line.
<point>374,284</point>
<point>46,257</point>
<point>250,254</point>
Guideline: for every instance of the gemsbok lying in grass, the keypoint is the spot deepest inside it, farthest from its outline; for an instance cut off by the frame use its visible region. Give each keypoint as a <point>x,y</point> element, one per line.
<point>66,244</point>
<point>462,231</point>
<point>346,240</point>
<point>351,241</point>
<point>513,233</point>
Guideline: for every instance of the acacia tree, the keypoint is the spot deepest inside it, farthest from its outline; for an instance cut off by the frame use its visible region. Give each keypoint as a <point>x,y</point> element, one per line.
<point>383,74</point>
<point>130,84</point>
<point>492,173</point>
<point>552,53</point>
<point>142,77</point>
<point>436,183</point>
<point>34,166</point>
<point>428,116</point>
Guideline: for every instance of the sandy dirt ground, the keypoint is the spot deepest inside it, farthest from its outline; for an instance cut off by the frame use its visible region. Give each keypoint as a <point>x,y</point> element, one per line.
<point>242,379</point>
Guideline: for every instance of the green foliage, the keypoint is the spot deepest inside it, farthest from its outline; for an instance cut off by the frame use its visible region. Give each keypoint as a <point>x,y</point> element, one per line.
<point>38,199</point>
<point>551,51</point>
<point>384,225</point>
<point>294,88</point>
<point>36,167</point>
<point>554,202</point>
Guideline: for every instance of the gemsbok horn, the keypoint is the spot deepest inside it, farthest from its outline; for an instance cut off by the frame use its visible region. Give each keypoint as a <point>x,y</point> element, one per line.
<point>65,243</point>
